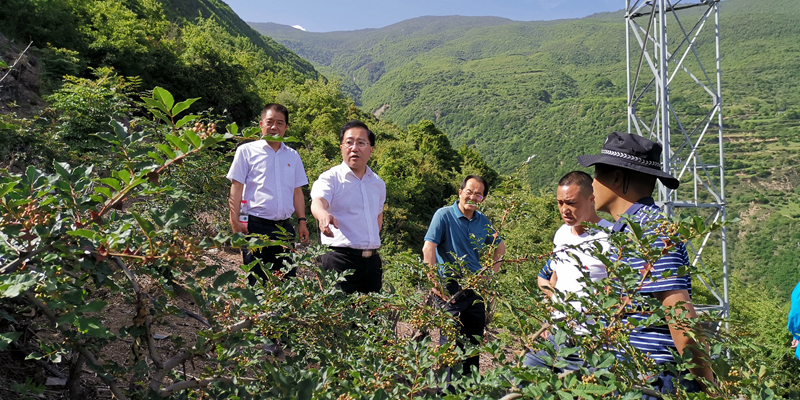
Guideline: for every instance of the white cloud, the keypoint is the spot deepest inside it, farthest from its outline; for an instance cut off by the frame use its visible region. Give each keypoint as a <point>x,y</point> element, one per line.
<point>299,27</point>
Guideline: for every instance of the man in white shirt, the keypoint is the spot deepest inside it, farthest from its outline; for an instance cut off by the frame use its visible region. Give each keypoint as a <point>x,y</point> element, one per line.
<point>270,176</point>
<point>572,240</point>
<point>347,201</point>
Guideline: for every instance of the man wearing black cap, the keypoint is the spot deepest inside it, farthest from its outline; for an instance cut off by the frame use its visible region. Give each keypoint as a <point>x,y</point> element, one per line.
<point>625,177</point>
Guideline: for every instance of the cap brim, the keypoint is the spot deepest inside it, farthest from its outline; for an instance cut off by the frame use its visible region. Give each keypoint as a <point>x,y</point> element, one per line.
<point>591,159</point>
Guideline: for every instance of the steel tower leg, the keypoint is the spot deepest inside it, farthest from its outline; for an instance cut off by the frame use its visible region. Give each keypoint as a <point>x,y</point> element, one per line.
<point>665,56</point>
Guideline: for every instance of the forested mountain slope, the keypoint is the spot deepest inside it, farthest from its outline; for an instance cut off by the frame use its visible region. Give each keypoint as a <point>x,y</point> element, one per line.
<point>193,48</point>
<point>555,89</point>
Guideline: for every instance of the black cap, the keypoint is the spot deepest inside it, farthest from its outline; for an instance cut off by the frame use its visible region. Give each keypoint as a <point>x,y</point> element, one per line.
<point>632,152</point>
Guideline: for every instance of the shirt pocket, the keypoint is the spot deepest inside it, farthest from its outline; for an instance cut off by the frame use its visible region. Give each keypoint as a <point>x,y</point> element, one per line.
<point>288,172</point>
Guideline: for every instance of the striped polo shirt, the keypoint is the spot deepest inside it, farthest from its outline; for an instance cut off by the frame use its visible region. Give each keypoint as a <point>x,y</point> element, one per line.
<point>655,340</point>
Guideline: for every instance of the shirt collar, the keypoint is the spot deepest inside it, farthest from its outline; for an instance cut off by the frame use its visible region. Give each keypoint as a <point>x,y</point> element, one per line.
<point>264,144</point>
<point>459,214</point>
<point>619,226</point>
<point>345,169</point>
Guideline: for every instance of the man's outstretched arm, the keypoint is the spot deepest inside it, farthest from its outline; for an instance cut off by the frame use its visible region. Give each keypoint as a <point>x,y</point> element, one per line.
<point>672,298</point>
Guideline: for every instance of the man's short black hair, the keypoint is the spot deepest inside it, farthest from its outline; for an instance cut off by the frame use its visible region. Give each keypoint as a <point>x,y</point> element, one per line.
<point>579,178</point>
<point>641,182</point>
<point>357,124</point>
<point>277,108</point>
<point>480,180</point>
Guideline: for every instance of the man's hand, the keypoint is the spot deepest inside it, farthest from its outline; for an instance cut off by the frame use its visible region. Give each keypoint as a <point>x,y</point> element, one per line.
<point>325,224</point>
<point>238,227</point>
<point>794,343</point>
<point>302,230</point>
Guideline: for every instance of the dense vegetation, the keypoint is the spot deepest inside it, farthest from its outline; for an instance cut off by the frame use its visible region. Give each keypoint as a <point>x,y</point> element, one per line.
<point>131,195</point>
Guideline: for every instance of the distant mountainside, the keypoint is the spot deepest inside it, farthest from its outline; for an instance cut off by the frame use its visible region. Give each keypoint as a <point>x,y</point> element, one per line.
<point>190,9</point>
<point>555,89</point>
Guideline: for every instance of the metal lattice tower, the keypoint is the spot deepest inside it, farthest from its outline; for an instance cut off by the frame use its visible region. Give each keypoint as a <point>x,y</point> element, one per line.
<point>669,60</point>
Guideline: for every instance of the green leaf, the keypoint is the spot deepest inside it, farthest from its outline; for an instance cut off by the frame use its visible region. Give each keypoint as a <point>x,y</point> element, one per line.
<point>94,306</point>
<point>154,106</point>
<point>232,128</point>
<point>166,150</point>
<point>564,395</point>
<point>226,278</point>
<point>111,182</point>
<point>3,64</point>
<point>207,272</point>
<point>7,338</point>
<point>91,326</point>
<point>161,115</point>
<point>156,157</point>
<point>193,138</point>
<point>182,106</point>
<point>103,190</point>
<point>14,284</point>
<point>84,233</point>
<point>123,175</point>
<point>177,142</point>
<point>276,138</point>
<point>186,119</point>
<point>6,188</point>
<point>589,389</point>
<point>62,169</point>
<point>165,97</point>
<point>636,229</point>
<point>146,226</point>
<point>119,129</point>
<point>4,125</point>
<point>608,360</point>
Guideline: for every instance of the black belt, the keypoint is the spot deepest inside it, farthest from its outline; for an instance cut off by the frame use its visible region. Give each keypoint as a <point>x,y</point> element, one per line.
<point>268,221</point>
<point>355,252</point>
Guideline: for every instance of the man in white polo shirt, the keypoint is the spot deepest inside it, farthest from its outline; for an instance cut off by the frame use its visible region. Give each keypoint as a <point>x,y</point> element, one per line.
<point>270,176</point>
<point>347,201</point>
<point>563,274</point>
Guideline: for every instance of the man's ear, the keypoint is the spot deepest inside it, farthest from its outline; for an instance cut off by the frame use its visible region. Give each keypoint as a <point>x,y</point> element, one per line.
<point>618,178</point>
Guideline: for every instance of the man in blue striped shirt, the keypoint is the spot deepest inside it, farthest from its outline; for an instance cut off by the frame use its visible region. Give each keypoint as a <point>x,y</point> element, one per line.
<point>624,180</point>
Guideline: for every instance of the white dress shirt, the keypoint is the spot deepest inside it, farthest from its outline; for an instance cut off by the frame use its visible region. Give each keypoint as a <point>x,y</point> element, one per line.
<point>269,177</point>
<point>355,203</point>
<point>569,272</point>
<point>565,267</point>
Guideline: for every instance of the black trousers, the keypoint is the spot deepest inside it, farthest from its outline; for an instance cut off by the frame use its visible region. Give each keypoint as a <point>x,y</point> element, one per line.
<point>268,255</point>
<point>368,272</point>
<point>470,309</point>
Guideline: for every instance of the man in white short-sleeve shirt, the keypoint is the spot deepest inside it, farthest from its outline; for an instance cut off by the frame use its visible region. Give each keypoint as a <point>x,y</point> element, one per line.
<point>347,201</point>
<point>269,175</point>
<point>572,240</point>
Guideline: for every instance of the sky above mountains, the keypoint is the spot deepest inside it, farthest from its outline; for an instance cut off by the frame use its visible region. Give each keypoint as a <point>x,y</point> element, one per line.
<point>347,15</point>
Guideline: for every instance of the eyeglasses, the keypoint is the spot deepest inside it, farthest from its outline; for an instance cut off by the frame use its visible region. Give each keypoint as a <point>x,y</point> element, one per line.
<point>359,143</point>
<point>278,123</point>
<point>474,195</point>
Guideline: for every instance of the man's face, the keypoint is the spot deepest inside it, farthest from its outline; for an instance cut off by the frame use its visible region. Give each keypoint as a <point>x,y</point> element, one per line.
<point>574,205</point>
<point>471,195</point>
<point>356,149</point>
<point>273,123</point>
<point>602,194</point>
